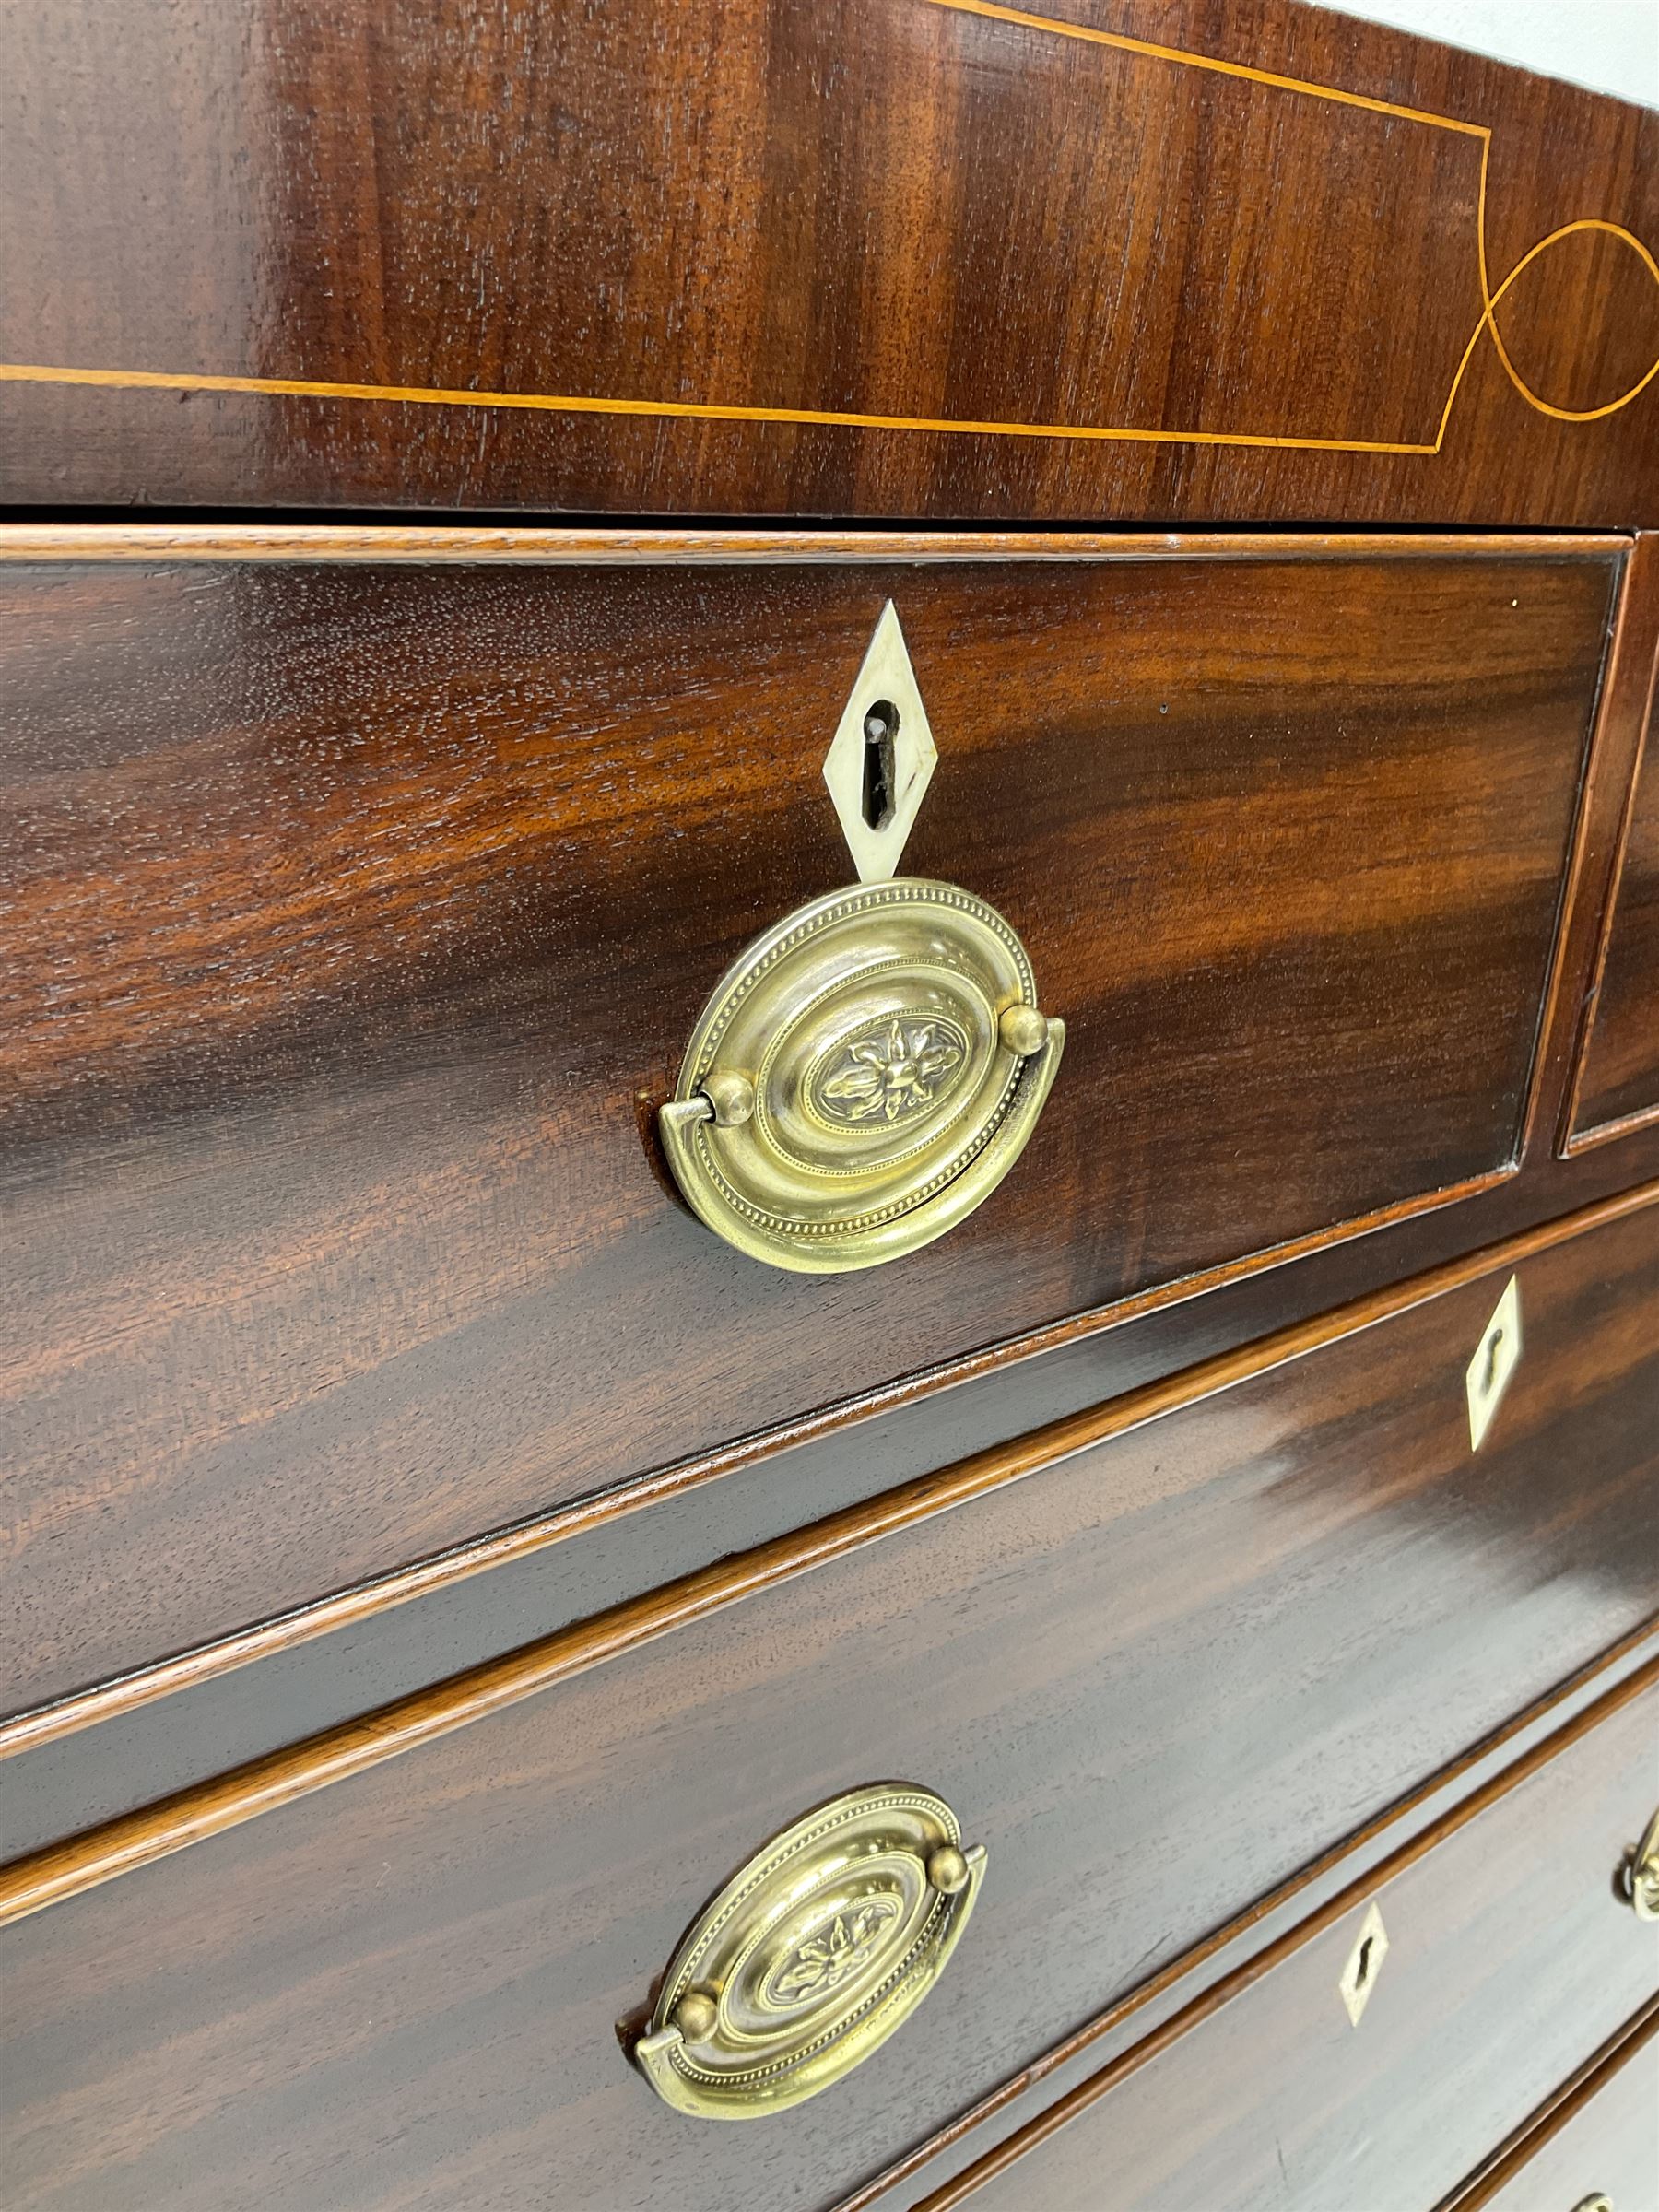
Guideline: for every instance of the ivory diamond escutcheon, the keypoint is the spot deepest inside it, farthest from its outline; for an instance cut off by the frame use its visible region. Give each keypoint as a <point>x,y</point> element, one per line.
<point>882,757</point>
<point>1497,1356</point>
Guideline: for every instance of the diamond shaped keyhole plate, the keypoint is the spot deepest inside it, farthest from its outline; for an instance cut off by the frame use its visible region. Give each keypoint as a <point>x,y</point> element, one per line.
<point>1497,1356</point>
<point>1364,1963</point>
<point>882,757</point>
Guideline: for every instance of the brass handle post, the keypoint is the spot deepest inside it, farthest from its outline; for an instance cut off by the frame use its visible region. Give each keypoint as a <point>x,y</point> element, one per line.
<point>1642,1874</point>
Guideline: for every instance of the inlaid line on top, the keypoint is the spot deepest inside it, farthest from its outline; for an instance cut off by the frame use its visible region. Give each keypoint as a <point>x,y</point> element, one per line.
<point>1186,59</point>
<point>297,387</point>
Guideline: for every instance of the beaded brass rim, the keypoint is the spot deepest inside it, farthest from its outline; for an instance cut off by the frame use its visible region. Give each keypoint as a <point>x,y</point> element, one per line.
<point>862,1077</point>
<point>811,1955</point>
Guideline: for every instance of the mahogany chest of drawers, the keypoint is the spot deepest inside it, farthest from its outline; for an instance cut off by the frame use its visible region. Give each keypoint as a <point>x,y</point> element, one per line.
<point>829,1259</point>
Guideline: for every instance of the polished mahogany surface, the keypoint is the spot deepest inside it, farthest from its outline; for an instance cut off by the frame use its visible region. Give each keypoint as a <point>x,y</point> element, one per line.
<point>1602,2135</point>
<point>1509,1956</point>
<point>431,1562</point>
<point>1261,1620</point>
<point>182,1717</point>
<point>1618,1083</point>
<point>1094,259</point>
<point>359,913</point>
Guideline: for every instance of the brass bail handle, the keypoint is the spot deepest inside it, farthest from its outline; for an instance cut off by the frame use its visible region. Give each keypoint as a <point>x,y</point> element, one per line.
<point>812,1954</point>
<point>870,1069</point>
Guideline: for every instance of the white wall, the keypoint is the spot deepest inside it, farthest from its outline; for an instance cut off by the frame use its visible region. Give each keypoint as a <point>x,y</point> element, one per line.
<point>1610,45</point>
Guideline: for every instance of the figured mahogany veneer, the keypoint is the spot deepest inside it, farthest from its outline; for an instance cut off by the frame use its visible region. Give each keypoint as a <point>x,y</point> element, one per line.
<point>430,1561</point>
<point>358,914</point>
<point>1098,1664</point>
<point>1509,1951</point>
<point>514,1614</point>
<point>1098,260</point>
<point>1603,2122</point>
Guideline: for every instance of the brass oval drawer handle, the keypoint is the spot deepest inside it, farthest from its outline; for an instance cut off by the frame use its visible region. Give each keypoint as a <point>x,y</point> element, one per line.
<point>1642,1874</point>
<point>862,1078</point>
<point>869,1070</point>
<point>812,1954</point>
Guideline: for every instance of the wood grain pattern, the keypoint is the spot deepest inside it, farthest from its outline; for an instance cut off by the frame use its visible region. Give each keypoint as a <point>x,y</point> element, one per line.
<point>1243,1950</point>
<point>1114,259</point>
<point>1621,719</point>
<point>1617,1087</point>
<point>358,914</point>
<point>524,1632</point>
<point>1605,2121</point>
<point>1124,1638</point>
<point>1516,1912</point>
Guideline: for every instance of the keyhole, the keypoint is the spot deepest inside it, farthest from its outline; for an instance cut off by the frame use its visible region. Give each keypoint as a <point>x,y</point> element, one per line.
<point>1494,1346</point>
<point>1362,1971</point>
<point>881,728</point>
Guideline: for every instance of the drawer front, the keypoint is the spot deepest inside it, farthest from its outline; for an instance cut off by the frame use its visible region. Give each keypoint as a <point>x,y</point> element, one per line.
<point>360,912</point>
<point>1510,1955</point>
<point>1603,2142</point>
<point>1617,1085</point>
<point>1261,1620</point>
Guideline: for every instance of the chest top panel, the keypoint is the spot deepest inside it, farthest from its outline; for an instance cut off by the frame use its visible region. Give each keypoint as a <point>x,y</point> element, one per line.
<point>1109,260</point>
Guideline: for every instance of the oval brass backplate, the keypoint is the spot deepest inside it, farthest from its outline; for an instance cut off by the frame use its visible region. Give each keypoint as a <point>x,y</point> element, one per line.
<point>812,1954</point>
<point>862,1078</point>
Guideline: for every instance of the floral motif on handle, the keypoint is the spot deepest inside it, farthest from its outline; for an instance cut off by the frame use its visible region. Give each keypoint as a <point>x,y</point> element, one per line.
<point>893,1070</point>
<point>832,1952</point>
